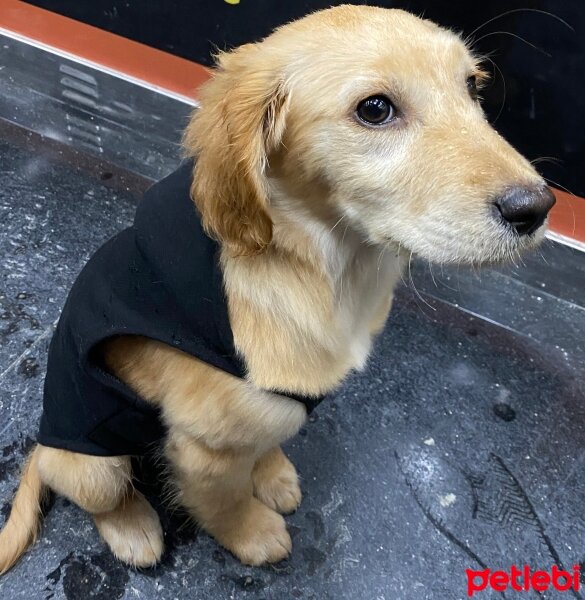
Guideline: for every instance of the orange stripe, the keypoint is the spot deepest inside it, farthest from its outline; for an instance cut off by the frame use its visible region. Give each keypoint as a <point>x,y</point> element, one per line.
<point>178,75</point>
<point>103,48</point>
<point>568,216</point>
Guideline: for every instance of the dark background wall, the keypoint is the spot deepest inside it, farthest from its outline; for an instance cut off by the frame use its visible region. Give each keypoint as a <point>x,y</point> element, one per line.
<point>540,99</point>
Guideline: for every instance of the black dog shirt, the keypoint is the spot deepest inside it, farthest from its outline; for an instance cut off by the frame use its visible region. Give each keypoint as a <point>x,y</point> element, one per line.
<point>160,279</point>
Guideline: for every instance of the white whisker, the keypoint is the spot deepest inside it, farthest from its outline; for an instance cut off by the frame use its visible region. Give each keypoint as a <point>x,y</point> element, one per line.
<point>514,35</point>
<point>413,285</point>
<point>517,10</point>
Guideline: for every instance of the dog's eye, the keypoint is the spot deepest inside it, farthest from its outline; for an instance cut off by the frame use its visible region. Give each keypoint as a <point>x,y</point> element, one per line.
<point>375,110</point>
<point>472,87</point>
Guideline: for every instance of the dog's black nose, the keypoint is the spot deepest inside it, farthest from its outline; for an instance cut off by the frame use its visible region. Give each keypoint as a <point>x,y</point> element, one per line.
<point>525,208</point>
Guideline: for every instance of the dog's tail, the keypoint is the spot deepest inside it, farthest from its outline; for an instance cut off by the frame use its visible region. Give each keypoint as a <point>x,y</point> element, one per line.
<point>22,526</point>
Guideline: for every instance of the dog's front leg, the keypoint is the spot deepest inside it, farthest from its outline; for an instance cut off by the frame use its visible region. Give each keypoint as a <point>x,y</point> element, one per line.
<point>215,485</point>
<point>276,482</point>
<point>219,428</point>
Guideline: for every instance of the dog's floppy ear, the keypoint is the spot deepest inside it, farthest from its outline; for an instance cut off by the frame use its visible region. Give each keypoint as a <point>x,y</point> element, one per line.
<point>241,119</point>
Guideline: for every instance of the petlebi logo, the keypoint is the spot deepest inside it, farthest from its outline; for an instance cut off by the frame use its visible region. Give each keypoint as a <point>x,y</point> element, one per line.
<point>523,579</point>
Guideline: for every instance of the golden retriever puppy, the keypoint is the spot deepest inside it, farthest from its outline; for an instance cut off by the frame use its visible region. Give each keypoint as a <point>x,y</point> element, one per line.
<point>322,156</point>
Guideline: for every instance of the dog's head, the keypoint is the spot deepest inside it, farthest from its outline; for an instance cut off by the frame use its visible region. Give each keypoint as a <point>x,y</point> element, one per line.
<point>370,115</point>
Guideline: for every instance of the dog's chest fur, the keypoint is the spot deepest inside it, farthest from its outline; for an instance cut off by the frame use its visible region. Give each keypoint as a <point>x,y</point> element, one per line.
<point>364,300</point>
<point>302,327</point>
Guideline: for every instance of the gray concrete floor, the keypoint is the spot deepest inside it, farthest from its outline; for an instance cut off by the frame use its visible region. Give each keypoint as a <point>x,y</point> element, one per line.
<point>461,445</point>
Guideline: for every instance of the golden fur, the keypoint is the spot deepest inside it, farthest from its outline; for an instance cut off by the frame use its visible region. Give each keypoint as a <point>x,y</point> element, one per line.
<point>315,213</point>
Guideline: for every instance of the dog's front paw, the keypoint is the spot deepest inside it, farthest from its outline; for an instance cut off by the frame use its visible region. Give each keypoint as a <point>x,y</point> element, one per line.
<point>259,536</point>
<point>276,482</point>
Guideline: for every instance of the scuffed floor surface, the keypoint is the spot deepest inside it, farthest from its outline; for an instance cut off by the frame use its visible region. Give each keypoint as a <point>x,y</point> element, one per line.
<point>462,445</point>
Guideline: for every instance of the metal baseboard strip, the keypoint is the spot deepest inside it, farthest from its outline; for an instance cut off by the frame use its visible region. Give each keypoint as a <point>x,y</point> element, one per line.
<point>98,113</point>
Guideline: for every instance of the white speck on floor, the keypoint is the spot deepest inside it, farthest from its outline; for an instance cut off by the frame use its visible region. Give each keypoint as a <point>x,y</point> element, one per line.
<point>447,500</point>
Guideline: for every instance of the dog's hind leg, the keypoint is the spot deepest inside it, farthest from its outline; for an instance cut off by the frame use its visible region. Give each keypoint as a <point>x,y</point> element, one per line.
<point>132,530</point>
<point>95,483</point>
<point>102,486</point>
